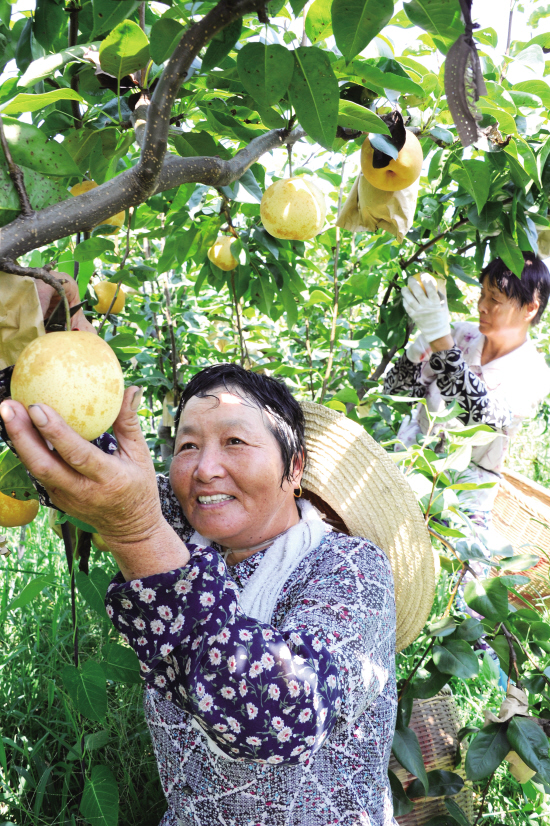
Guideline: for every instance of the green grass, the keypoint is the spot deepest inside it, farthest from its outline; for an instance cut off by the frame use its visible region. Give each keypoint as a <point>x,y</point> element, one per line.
<point>40,728</point>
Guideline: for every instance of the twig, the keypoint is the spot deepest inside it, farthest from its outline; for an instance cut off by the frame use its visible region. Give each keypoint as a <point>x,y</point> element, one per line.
<point>238,315</point>
<point>335,299</point>
<point>16,175</point>
<point>415,669</point>
<point>452,550</point>
<point>42,274</point>
<point>423,247</point>
<point>513,666</point>
<point>455,590</point>
<point>120,267</point>
<point>482,804</point>
<point>310,359</point>
<point>173,349</point>
<point>73,39</point>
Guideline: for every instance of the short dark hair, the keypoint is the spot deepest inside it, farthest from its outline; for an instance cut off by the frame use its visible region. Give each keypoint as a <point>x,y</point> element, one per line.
<point>533,284</point>
<point>286,419</point>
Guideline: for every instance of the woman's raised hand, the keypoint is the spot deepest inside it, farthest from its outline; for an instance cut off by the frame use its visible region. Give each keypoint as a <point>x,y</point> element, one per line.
<point>117,493</point>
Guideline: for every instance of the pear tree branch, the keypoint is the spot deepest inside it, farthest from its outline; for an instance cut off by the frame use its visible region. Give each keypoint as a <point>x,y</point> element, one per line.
<point>136,185</point>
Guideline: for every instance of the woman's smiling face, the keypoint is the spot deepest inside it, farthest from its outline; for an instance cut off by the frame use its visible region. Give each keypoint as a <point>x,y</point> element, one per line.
<point>227,470</point>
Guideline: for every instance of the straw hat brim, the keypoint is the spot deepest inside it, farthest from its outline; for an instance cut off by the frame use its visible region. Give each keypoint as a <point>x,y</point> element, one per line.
<point>349,471</point>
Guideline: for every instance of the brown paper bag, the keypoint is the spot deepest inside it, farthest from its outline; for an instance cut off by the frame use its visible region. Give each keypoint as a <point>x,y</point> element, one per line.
<point>368,209</point>
<point>20,316</point>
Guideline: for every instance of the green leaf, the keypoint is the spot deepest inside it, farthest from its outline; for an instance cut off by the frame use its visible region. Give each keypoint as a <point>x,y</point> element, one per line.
<point>370,75</point>
<point>401,803</point>
<point>479,176</point>
<point>354,116</point>
<point>442,783</point>
<point>108,13</point>
<point>510,253</point>
<point>486,752</point>
<point>319,21</point>
<point>502,649</point>
<point>314,94</point>
<point>100,800</point>
<point>93,587</point>
<point>423,689</point>
<point>454,809</point>
<point>356,22</point>
<point>406,749</point>
<point>92,248</point>
<point>45,66</point>
<point>442,628</point>
<point>124,50</point>
<point>221,45</point>
<point>49,19</point>
<point>489,597</point>
<point>30,592</point>
<point>14,479</point>
<point>165,36</point>
<point>121,664</point>
<point>470,630</point>
<point>30,147</point>
<point>490,670</point>
<point>87,689</point>
<point>440,17</point>
<point>31,103</point>
<point>456,657</point>
<point>265,72</point>
<point>535,87</point>
<point>528,739</point>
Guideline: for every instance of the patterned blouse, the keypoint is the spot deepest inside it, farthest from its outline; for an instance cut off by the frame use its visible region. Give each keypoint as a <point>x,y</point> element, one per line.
<point>287,724</point>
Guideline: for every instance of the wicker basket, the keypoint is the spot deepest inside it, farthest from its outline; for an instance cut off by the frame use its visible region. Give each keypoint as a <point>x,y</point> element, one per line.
<point>436,723</point>
<point>521,514</point>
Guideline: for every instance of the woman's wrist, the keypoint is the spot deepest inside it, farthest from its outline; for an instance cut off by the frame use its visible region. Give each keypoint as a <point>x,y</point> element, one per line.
<point>155,552</point>
<point>443,343</point>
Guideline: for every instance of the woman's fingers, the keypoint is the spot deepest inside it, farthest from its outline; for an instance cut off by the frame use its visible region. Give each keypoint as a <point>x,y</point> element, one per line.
<point>127,430</point>
<point>75,451</point>
<point>31,448</point>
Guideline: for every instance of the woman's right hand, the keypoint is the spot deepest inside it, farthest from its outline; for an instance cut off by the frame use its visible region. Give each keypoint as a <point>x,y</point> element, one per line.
<point>49,299</point>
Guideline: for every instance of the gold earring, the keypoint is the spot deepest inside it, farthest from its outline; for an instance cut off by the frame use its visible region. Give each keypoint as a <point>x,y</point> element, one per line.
<point>297,495</point>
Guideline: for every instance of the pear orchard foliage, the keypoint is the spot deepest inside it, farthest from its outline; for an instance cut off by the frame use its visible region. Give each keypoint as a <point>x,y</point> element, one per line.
<point>183,114</point>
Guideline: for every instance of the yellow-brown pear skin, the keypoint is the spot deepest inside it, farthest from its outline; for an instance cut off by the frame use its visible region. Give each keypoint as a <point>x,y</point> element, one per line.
<point>77,374</point>
<point>105,291</point>
<point>220,253</point>
<point>14,513</point>
<point>293,209</point>
<point>399,173</point>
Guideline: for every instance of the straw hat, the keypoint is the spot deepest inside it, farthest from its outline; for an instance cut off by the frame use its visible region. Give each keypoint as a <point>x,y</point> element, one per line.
<point>357,479</point>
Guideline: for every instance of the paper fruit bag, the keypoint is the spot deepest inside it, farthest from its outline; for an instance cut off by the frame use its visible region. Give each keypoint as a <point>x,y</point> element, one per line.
<point>20,316</point>
<point>368,209</point>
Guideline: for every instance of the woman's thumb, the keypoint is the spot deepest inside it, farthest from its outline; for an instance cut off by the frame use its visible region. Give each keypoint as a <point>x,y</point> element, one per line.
<point>126,427</point>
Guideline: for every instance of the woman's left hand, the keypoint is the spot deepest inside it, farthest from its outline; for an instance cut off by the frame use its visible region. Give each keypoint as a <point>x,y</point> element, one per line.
<point>117,494</point>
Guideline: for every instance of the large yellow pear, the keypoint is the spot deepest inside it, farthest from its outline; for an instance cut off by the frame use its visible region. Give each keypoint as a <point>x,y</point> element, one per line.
<point>75,373</point>
<point>293,209</point>
<point>220,253</point>
<point>113,220</point>
<point>14,513</point>
<point>399,173</point>
<point>105,291</point>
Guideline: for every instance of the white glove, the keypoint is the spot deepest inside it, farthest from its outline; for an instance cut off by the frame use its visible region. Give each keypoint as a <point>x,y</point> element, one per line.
<point>417,348</point>
<point>425,308</point>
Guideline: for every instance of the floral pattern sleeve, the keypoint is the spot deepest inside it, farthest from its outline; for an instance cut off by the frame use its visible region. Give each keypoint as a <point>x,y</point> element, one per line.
<point>458,383</point>
<point>404,378</point>
<point>258,693</point>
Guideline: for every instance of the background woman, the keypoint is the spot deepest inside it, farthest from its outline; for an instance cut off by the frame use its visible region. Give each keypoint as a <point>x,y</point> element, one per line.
<point>492,370</point>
